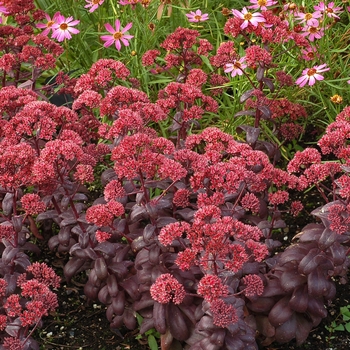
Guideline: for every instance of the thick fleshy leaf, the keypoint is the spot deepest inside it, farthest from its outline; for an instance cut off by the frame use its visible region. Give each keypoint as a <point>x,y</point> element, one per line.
<point>107,176</point>
<point>148,232</point>
<point>281,312</point>
<point>317,282</point>
<point>176,322</point>
<point>309,263</point>
<point>244,97</point>
<point>159,317</point>
<point>8,254</point>
<point>304,327</point>
<point>287,331</point>
<point>49,214</point>
<point>118,303</point>
<point>100,268</point>
<point>316,308</point>
<point>290,279</point>
<point>7,204</point>
<point>268,82</point>
<point>112,285</point>
<point>103,296</point>
<point>138,212</point>
<point>261,304</point>
<point>299,300</point>
<point>107,248</point>
<point>72,267</point>
<point>129,319</point>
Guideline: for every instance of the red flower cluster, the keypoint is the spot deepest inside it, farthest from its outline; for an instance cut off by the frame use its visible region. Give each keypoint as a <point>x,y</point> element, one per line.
<point>166,288</point>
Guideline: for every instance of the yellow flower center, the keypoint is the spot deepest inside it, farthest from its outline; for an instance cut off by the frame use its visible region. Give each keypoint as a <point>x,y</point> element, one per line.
<point>49,24</point>
<point>262,2</point>
<point>248,16</point>
<point>63,26</point>
<point>337,99</point>
<point>311,72</point>
<point>329,10</point>
<point>117,35</point>
<point>95,2</point>
<point>310,55</point>
<point>198,18</point>
<point>308,16</point>
<point>237,65</point>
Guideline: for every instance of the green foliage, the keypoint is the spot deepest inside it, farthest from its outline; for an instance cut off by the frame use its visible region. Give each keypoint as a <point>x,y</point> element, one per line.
<point>342,321</point>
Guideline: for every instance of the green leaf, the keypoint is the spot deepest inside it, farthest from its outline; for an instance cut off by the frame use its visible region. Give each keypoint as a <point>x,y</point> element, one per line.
<point>347,327</point>
<point>340,327</point>
<point>205,59</point>
<point>152,342</point>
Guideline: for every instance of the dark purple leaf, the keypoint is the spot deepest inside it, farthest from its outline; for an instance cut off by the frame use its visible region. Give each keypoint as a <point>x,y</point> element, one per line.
<point>176,321</point>
<point>64,235</point>
<point>80,197</point>
<point>290,279</point>
<point>8,254</point>
<point>84,239</point>
<point>118,303</point>
<point>266,111</point>
<point>317,282</point>
<point>281,312</point>
<point>7,204</point>
<point>338,253</point>
<point>53,242</point>
<point>72,267</point>
<point>13,328</point>
<point>300,298</point>
<point>159,317</point>
<point>120,269</point>
<point>107,176</point>
<point>186,214</point>
<point>251,112</point>
<point>316,308</point>
<point>129,319</point>
<point>47,215</point>
<point>327,238</point>
<point>309,263</point>
<point>137,213</point>
<point>91,291</point>
<point>131,287</point>
<point>261,305</point>
<point>147,324</point>
<point>100,268</point>
<point>252,133</point>
<point>112,285</point>
<point>31,247</point>
<point>165,220</point>
<point>268,82</point>
<point>304,327</point>
<point>148,232</point>
<point>287,331</point>
<point>145,302</point>
<point>244,97</point>
<point>260,73</point>
<point>107,248</point>
<point>103,296</point>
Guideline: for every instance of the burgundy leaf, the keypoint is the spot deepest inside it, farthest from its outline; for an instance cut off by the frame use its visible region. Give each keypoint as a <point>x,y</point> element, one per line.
<point>8,254</point>
<point>72,267</point>
<point>287,331</point>
<point>159,317</point>
<point>107,176</point>
<point>13,328</point>
<point>118,303</point>
<point>147,324</point>
<point>100,268</point>
<point>244,97</point>
<point>261,304</point>
<point>176,322</point>
<point>165,220</point>
<point>131,287</point>
<point>251,112</point>
<point>91,291</point>
<point>309,263</point>
<point>129,319</point>
<point>7,204</point>
<point>290,279</point>
<point>148,232</point>
<point>137,213</point>
<point>281,312</point>
<point>107,248</point>
<point>49,214</point>
<point>316,308</point>
<point>317,283</point>
<point>300,298</point>
<point>64,235</point>
<point>112,285</point>
<point>103,296</point>
<point>53,242</point>
<point>268,82</point>
<point>304,327</point>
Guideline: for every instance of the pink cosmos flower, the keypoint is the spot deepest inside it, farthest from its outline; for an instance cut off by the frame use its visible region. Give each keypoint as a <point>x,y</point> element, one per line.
<point>309,18</point>
<point>3,11</point>
<point>235,68</point>
<point>118,35</point>
<point>63,27</point>
<point>329,9</point>
<point>197,16</point>
<point>310,75</point>
<point>261,4</point>
<point>313,33</point>
<point>309,53</point>
<point>48,25</point>
<point>253,18</point>
<point>93,4</point>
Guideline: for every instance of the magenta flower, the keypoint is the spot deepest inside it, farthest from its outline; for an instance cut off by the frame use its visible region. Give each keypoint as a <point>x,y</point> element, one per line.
<point>309,18</point>
<point>48,25</point>
<point>235,68</point>
<point>261,4</point>
<point>197,16</point>
<point>93,4</point>
<point>310,75</point>
<point>63,27</point>
<point>309,53</point>
<point>253,18</point>
<point>3,11</point>
<point>118,35</point>
<point>313,33</point>
<point>329,9</point>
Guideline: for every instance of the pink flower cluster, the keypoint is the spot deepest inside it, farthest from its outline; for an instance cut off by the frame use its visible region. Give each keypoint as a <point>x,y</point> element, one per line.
<point>166,288</point>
